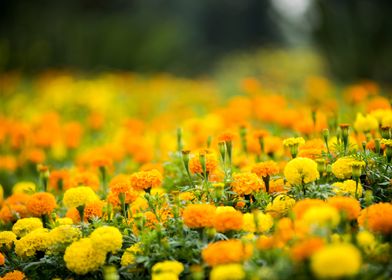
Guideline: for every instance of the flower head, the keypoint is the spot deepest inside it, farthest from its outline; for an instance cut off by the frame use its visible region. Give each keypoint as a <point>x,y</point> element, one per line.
<point>199,215</point>
<point>107,239</point>
<point>79,196</point>
<point>301,171</point>
<point>42,203</point>
<point>225,252</point>
<point>26,225</point>
<point>245,183</point>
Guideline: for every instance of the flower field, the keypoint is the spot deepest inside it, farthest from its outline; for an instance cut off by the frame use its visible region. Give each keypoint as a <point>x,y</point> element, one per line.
<point>121,176</point>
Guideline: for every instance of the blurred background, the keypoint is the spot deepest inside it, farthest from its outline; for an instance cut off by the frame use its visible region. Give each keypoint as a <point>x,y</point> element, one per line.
<point>347,40</point>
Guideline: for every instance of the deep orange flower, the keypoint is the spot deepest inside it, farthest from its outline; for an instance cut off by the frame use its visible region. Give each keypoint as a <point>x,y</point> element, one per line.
<point>226,221</point>
<point>306,248</point>
<point>245,183</point>
<point>144,180</point>
<point>377,218</point>
<point>59,179</point>
<point>264,169</point>
<point>226,137</point>
<point>226,251</point>
<point>199,215</point>
<point>41,204</point>
<point>349,206</point>
<point>14,275</point>
<point>2,259</point>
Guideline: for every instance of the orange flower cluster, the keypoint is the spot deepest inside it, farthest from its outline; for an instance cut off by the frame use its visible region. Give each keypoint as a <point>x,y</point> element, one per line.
<point>246,183</point>
<point>41,204</point>
<point>144,180</point>
<point>226,251</point>
<point>199,215</point>
<point>377,218</point>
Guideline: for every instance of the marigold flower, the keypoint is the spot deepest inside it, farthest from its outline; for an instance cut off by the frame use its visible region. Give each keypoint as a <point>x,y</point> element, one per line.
<point>81,257</point>
<point>226,251</point>
<point>14,275</point>
<point>377,218</point>
<point>264,169</point>
<point>323,215</point>
<point>24,187</point>
<point>365,123</point>
<point>348,187</point>
<point>7,238</point>
<point>306,248</point>
<point>173,267</point>
<point>226,137</point>
<point>63,235</point>
<point>228,272</point>
<point>211,161</point>
<point>293,141</point>
<point>129,255</point>
<point>302,206</point>
<point>300,171</point>
<point>41,204</point>
<point>59,179</point>
<point>280,206</point>
<point>350,207</point>
<point>245,183</point>
<point>228,220</point>
<point>84,178</point>
<point>336,261</point>
<point>144,180</point>
<point>2,259</point>
<point>199,215</point>
<point>342,168</point>
<point>26,225</point>
<point>79,196</point>
<point>107,239</point>
<point>31,243</point>
<point>257,222</point>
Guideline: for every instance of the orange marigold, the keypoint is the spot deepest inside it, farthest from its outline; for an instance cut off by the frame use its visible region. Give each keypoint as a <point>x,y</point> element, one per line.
<point>42,203</point>
<point>264,169</point>
<point>59,179</point>
<point>303,205</point>
<point>91,210</point>
<point>349,206</point>
<point>228,220</point>
<point>2,259</point>
<point>85,178</point>
<point>304,249</point>
<point>144,180</point>
<point>226,137</point>
<point>377,218</point>
<point>14,275</point>
<point>226,251</point>
<point>245,183</point>
<point>211,161</point>
<point>199,215</point>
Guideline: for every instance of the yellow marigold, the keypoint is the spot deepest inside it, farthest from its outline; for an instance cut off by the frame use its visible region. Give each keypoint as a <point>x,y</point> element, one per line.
<point>336,261</point>
<point>323,215</point>
<point>7,238</point>
<point>26,225</point>
<point>107,239</point>
<point>257,222</point>
<point>280,206</point>
<point>347,187</point>
<point>348,206</point>
<point>64,221</point>
<point>173,267</point>
<point>226,251</point>
<point>306,248</point>
<point>14,275</point>
<point>129,255</point>
<point>302,206</point>
<point>264,169</point>
<point>81,257</point>
<point>377,218</point>
<point>342,168</point>
<point>186,196</point>
<point>228,220</point>
<point>41,204</point>
<point>144,180</point>
<point>365,123</point>
<point>245,183</point>
<point>301,171</point>
<point>79,196</point>
<point>63,235</point>
<point>28,245</point>
<point>227,272</point>
<point>366,240</point>
<point>24,187</point>
<point>199,215</point>
<point>289,142</point>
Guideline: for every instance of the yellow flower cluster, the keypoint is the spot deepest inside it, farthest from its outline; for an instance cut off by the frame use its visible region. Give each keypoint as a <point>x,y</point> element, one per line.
<point>26,225</point>
<point>280,206</point>
<point>79,196</point>
<point>36,240</point>
<point>293,141</point>
<point>365,123</point>
<point>257,222</point>
<point>167,270</point>
<point>336,261</point>
<point>7,238</point>
<point>82,257</point>
<point>347,187</point>
<point>227,272</point>
<point>63,235</point>
<point>300,171</point>
<point>107,239</point>
<point>342,168</point>
<point>129,255</point>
